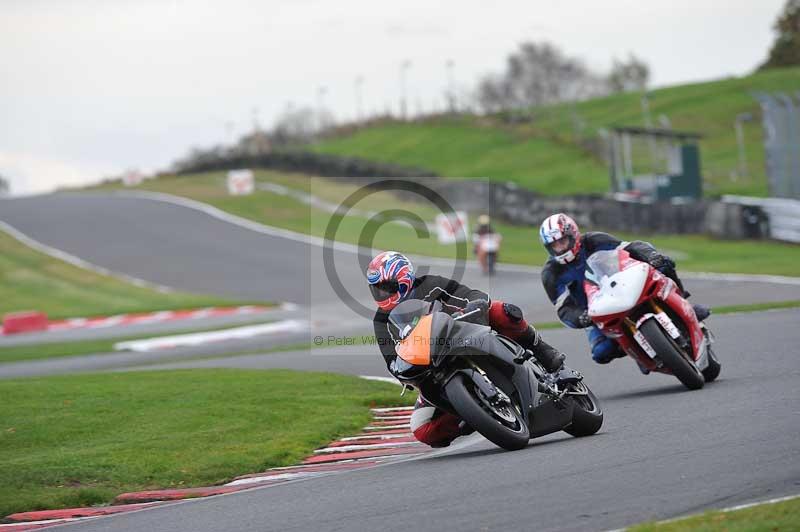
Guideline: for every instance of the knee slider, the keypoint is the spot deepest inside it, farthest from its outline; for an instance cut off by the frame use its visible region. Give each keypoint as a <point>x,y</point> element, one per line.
<point>513,312</point>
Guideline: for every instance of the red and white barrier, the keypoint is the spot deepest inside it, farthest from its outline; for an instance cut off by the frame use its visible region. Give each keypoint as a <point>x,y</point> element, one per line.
<point>23,322</point>
<point>147,317</point>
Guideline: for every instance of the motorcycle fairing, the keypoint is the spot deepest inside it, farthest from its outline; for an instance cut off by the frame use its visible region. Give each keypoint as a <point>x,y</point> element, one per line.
<point>619,293</point>
<point>484,352</point>
<point>656,291</point>
<point>684,310</point>
<point>415,348</point>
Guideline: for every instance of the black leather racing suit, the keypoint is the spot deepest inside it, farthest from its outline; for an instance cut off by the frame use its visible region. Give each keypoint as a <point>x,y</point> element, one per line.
<point>454,296</point>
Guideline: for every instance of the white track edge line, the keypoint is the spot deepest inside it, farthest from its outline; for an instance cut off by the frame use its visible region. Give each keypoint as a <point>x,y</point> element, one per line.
<point>722,510</point>
<point>390,380</point>
<point>365,447</point>
<point>192,339</point>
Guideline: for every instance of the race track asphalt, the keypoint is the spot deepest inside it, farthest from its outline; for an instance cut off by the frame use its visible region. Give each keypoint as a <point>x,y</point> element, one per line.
<point>188,250</point>
<point>663,451</point>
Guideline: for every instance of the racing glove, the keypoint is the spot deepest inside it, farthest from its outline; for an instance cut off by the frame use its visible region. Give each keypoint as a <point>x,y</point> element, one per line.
<point>475,310</point>
<point>661,262</point>
<point>584,320</point>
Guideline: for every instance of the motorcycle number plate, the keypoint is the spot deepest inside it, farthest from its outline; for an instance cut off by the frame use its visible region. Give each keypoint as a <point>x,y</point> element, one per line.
<point>670,327</point>
<point>642,341</point>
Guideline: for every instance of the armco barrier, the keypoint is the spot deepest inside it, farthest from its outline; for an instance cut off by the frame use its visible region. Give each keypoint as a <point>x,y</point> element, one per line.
<point>781,215</point>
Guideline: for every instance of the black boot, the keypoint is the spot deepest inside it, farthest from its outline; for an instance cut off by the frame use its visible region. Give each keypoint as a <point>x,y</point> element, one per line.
<point>548,356</point>
<point>701,311</point>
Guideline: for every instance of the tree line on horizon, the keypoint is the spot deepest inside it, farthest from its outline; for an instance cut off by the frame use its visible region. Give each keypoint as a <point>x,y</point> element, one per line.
<point>536,74</point>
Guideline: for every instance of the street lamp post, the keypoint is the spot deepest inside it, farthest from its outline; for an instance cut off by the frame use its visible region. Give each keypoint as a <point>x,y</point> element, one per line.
<point>742,117</point>
<point>451,84</point>
<point>358,84</point>
<point>404,66</point>
<point>229,125</point>
<point>648,122</point>
<point>321,92</point>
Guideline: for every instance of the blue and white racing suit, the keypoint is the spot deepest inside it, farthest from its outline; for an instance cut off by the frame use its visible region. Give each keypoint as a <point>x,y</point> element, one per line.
<point>564,286</point>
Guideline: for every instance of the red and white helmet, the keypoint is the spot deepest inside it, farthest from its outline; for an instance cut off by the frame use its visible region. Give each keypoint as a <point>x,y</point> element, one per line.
<point>561,237</point>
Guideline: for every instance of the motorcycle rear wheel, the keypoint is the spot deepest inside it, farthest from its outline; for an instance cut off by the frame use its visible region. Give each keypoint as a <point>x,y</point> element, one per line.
<point>494,426</point>
<point>671,356</point>
<point>587,416</point>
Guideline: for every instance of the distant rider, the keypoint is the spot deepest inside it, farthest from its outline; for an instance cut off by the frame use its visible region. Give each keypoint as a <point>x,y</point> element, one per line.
<point>484,228</point>
<point>391,280</point>
<point>563,276</point>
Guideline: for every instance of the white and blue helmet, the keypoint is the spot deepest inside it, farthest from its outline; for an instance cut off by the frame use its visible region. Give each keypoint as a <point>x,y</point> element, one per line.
<point>561,237</point>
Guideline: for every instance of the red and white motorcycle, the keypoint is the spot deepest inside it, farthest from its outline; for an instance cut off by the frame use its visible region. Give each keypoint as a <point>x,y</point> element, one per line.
<point>645,313</point>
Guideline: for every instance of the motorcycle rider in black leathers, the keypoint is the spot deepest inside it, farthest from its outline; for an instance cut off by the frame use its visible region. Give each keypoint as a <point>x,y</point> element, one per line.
<point>391,280</point>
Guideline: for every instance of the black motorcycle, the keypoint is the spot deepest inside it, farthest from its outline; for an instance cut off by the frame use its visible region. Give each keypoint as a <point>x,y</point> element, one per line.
<point>488,380</point>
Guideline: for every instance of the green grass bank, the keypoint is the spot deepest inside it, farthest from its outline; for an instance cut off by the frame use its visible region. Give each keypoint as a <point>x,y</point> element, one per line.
<point>545,153</point>
<point>84,439</point>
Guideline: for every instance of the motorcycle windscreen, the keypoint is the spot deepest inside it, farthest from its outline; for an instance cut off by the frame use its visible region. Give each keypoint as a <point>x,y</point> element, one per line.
<point>619,292</point>
<point>602,264</point>
<point>407,314</point>
<point>415,348</point>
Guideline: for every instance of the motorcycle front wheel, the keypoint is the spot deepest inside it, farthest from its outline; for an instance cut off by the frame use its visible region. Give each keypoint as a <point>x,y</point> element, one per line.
<point>671,355</point>
<point>491,258</point>
<point>501,424</point>
<point>587,416</point>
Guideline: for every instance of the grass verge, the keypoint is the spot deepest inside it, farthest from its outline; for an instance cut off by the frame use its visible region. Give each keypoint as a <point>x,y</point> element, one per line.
<point>520,244</point>
<point>756,307</point>
<point>30,280</point>
<point>778,516</point>
<point>83,439</point>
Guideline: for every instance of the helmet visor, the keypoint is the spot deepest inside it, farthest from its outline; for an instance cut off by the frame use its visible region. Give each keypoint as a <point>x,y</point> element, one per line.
<point>561,246</point>
<point>384,289</point>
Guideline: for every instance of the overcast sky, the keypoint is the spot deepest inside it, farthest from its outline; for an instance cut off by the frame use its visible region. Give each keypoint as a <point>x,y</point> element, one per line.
<point>93,87</point>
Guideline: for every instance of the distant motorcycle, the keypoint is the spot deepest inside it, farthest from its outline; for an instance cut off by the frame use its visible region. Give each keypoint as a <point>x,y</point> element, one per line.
<point>488,380</point>
<point>642,310</point>
<point>487,246</point>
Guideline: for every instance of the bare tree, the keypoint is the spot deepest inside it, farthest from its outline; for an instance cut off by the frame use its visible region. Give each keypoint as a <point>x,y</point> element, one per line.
<point>493,94</point>
<point>630,75</point>
<point>300,125</point>
<point>538,74</point>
